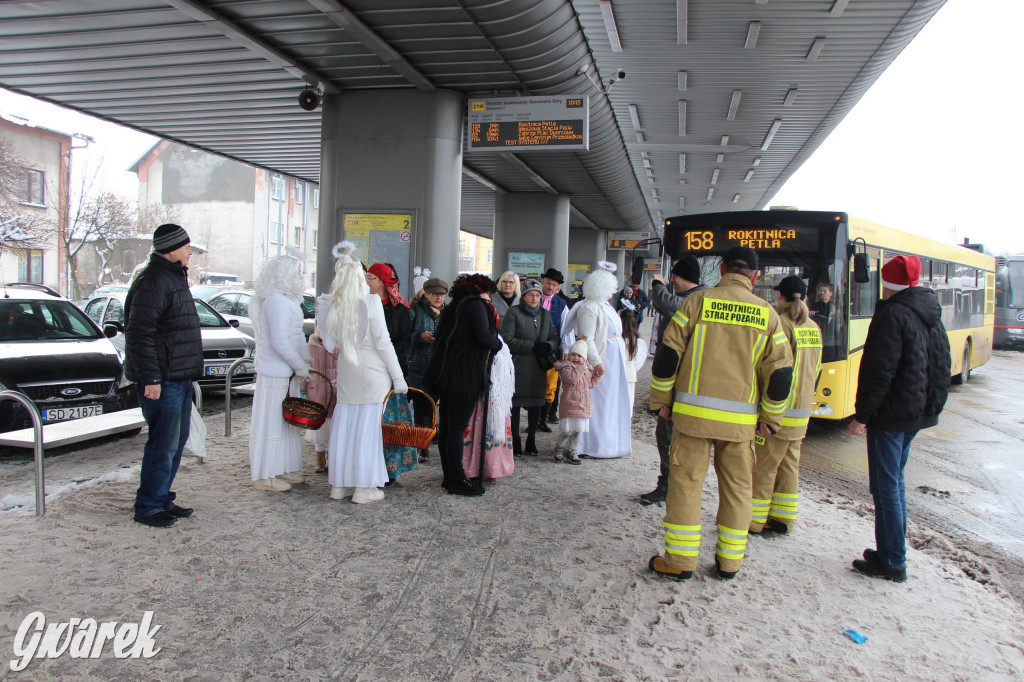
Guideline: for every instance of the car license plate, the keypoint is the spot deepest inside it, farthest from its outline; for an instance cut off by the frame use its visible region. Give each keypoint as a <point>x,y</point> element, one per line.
<point>222,370</point>
<point>58,414</point>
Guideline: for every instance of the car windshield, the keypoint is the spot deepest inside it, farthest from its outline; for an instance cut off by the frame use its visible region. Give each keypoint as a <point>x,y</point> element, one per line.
<point>208,317</point>
<point>44,321</point>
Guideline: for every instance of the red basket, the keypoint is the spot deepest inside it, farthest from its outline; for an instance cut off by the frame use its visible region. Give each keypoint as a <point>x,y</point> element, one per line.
<point>406,435</point>
<point>306,414</point>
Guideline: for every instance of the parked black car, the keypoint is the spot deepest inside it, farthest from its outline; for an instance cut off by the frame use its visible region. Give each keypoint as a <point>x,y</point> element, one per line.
<point>54,354</point>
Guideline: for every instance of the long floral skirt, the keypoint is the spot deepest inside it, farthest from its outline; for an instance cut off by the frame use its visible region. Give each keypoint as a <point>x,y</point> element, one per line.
<point>497,451</point>
<point>397,458</point>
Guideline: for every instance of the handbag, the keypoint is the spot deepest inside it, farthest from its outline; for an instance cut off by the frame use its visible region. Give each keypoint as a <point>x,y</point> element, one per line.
<point>546,360</point>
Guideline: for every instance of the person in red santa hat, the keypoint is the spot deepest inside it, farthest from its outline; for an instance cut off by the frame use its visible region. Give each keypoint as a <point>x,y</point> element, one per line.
<point>902,387</point>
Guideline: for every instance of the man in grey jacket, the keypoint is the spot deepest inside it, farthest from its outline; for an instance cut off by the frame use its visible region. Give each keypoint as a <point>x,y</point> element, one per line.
<point>666,300</point>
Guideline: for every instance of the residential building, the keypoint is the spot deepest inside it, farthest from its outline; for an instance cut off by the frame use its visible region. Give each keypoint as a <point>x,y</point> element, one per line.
<point>43,190</point>
<point>238,214</point>
<point>476,253</point>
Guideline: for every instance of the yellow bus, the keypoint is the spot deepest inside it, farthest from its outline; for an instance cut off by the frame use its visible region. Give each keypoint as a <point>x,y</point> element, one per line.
<point>839,258</point>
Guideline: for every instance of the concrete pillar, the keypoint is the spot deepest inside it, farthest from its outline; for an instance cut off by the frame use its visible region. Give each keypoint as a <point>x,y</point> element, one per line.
<point>387,151</point>
<point>618,256</point>
<point>533,223</point>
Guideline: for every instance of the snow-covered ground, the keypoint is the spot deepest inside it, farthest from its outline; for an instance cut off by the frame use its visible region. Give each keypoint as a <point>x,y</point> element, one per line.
<point>544,577</point>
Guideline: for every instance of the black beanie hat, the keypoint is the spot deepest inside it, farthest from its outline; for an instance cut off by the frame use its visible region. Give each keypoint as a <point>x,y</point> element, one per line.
<point>742,257</point>
<point>688,268</point>
<point>169,237</point>
<point>791,286</point>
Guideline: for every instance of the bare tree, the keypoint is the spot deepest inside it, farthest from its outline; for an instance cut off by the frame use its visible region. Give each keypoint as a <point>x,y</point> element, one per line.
<point>100,218</point>
<point>19,228</point>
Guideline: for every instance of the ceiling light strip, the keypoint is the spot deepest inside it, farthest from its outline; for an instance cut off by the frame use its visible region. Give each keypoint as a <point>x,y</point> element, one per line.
<point>776,124</point>
<point>682,118</point>
<point>816,47</point>
<point>790,97</point>
<point>838,7</point>
<point>609,25</point>
<point>752,32</point>
<point>682,20</point>
<point>634,116</point>
<point>734,105</point>
<point>681,84</point>
<point>682,163</point>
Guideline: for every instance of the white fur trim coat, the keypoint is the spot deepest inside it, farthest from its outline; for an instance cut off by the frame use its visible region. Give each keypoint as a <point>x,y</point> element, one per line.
<point>281,347</point>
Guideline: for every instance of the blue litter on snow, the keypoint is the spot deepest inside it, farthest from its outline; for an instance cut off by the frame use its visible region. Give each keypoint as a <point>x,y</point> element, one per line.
<point>855,636</point>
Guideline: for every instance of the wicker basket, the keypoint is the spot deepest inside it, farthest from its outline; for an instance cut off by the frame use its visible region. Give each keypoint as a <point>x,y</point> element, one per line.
<point>410,436</point>
<point>306,414</point>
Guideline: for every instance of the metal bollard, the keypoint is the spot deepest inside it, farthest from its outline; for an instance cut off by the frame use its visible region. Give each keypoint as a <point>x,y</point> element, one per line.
<point>227,391</point>
<point>37,428</point>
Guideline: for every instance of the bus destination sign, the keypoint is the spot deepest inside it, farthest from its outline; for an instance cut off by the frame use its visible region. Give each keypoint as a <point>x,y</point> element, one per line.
<point>758,239</point>
<point>515,123</point>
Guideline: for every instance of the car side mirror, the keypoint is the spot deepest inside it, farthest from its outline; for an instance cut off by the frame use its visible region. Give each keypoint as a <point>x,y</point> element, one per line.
<point>861,274</point>
<point>112,329</point>
<point>233,323</point>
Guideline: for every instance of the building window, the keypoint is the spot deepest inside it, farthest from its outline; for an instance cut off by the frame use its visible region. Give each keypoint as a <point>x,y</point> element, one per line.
<point>297,236</point>
<point>316,198</point>
<point>300,191</point>
<point>313,237</point>
<point>462,246</point>
<point>30,266</point>
<point>490,256</point>
<point>276,184</point>
<point>275,233</point>
<point>33,187</point>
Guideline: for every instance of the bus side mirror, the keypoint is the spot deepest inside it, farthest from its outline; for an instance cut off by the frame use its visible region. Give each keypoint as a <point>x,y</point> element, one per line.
<point>860,268</point>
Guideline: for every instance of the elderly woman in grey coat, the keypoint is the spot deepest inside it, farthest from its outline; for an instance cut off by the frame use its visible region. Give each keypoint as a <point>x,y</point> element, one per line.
<point>507,294</point>
<point>530,334</point>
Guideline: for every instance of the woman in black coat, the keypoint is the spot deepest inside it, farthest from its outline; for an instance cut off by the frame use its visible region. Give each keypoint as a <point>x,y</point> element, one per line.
<point>465,340</point>
<point>530,334</point>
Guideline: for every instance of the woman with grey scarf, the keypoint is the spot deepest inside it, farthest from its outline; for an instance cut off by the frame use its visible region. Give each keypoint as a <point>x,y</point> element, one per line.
<point>530,334</point>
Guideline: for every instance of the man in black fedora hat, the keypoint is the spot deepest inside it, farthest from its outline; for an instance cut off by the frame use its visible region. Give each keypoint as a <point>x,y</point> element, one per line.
<point>554,301</point>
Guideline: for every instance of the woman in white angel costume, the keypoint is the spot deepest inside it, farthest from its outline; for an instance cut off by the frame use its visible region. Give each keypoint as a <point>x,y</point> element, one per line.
<point>353,321</point>
<point>596,322</point>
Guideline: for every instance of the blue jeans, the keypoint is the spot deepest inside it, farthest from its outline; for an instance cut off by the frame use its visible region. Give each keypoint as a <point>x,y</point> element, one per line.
<point>169,418</point>
<point>887,457</point>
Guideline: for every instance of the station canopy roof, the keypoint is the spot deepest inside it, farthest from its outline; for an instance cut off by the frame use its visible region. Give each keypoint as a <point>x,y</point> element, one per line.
<point>720,102</point>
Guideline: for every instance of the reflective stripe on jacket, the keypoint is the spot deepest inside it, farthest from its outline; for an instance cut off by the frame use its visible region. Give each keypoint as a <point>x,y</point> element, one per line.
<point>805,342</point>
<point>727,343</point>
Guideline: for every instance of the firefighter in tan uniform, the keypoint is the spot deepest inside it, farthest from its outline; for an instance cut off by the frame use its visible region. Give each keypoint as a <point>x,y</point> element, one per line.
<point>723,371</point>
<point>777,457</point>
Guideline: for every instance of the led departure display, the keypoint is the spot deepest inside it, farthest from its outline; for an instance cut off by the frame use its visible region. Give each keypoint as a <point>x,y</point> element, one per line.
<point>514,123</point>
<point>720,239</point>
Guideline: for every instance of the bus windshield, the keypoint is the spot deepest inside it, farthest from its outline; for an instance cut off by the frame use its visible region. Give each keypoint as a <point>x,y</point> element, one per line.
<point>819,274</point>
<point>807,245</point>
<point>1015,284</point>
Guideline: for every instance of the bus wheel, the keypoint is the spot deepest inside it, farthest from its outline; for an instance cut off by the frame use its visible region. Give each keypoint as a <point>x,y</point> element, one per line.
<point>965,368</point>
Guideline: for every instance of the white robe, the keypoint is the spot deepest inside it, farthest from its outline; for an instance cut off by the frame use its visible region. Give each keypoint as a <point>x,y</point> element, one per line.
<point>611,418</point>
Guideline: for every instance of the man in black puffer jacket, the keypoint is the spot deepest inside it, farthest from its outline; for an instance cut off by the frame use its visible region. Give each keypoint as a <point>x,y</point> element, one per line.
<point>164,354</point>
<point>902,387</point>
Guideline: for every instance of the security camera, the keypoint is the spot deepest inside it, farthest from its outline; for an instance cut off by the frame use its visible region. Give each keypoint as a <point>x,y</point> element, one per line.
<point>309,100</point>
<point>620,74</point>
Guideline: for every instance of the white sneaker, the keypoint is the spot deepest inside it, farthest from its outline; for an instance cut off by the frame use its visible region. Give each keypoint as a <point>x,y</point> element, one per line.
<point>338,493</point>
<point>367,495</point>
<point>293,477</point>
<point>274,485</point>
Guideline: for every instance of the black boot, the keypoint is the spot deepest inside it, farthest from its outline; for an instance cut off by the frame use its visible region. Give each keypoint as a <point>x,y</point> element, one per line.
<point>655,496</point>
<point>517,444</point>
<point>542,424</point>
<point>532,417</point>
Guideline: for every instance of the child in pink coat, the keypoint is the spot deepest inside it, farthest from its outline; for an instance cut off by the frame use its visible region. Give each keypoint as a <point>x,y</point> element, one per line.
<point>317,390</point>
<point>575,404</point>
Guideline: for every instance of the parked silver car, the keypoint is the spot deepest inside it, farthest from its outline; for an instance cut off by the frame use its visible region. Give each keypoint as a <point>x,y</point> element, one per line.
<point>222,342</point>
<point>234,305</point>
